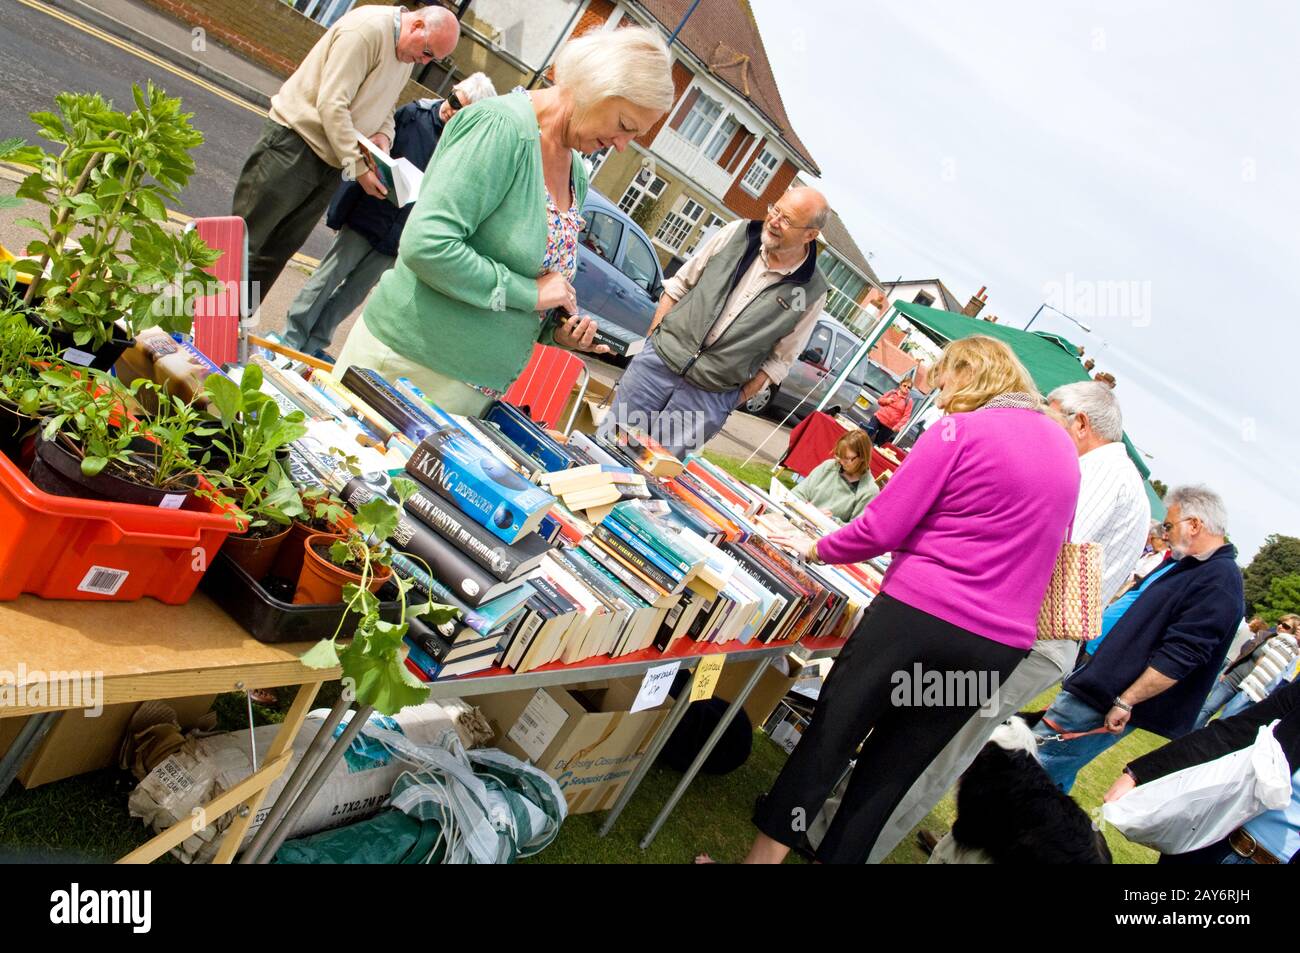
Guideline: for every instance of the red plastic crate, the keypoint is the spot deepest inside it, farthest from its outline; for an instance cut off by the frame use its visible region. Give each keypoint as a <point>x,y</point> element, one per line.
<point>61,547</point>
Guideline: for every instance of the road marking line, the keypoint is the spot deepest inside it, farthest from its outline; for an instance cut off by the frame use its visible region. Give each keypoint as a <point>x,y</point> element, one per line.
<point>141,54</point>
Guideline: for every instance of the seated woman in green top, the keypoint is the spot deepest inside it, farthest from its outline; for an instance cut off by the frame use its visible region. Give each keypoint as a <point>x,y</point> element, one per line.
<point>842,486</point>
<point>491,244</point>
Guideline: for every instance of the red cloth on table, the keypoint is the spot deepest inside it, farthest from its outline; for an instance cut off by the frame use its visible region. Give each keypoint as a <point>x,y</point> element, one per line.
<point>812,442</point>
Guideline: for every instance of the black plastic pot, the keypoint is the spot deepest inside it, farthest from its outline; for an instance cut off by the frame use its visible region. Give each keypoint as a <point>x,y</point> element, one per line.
<point>14,429</point>
<point>101,359</point>
<point>57,470</point>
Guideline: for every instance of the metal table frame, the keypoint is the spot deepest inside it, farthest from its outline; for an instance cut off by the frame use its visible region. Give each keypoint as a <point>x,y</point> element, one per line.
<point>322,754</point>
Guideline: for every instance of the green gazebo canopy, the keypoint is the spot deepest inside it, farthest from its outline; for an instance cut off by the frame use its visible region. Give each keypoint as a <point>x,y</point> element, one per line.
<point>1050,358</point>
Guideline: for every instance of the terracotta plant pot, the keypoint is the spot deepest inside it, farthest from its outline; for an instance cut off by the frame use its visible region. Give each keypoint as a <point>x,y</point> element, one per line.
<point>255,554</point>
<point>322,582</point>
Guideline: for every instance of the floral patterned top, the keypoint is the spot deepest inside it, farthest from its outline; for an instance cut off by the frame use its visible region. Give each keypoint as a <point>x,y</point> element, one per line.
<point>562,231</point>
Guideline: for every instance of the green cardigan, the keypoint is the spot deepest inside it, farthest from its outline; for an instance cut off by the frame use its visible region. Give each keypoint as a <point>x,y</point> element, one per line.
<point>462,296</point>
<point>826,489</point>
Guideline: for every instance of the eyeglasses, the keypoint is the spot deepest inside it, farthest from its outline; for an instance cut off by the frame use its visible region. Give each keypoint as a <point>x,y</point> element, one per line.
<point>1285,627</point>
<point>780,218</point>
<point>427,53</point>
<point>1166,527</point>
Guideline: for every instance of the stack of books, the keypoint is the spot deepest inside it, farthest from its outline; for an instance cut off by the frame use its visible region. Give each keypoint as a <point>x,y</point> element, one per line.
<point>593,489</point>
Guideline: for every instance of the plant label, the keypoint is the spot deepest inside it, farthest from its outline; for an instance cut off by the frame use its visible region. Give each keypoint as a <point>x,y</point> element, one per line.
<point>80,358</point>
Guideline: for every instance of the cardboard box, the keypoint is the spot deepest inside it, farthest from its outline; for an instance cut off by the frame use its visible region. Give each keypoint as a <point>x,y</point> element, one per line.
<point>593,408</point>
<point>77,744</point>
<point>777,679</point>
<point>589,750</point>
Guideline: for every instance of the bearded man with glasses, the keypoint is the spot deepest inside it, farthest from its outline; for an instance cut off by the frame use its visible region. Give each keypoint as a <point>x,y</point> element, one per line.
<point>731,322</point>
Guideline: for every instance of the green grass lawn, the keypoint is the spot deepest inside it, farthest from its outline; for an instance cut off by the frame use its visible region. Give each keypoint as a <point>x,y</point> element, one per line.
<point>758,474</point>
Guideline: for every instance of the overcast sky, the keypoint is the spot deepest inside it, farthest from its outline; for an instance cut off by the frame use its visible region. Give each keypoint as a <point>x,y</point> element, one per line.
<point>1134,164</point>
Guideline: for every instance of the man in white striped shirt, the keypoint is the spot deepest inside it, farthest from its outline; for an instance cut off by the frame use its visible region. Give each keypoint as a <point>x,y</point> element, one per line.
<point>1112,511</point>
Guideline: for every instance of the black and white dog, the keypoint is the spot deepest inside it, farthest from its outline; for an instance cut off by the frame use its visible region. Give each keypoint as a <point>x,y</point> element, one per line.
<point>1010,812</point>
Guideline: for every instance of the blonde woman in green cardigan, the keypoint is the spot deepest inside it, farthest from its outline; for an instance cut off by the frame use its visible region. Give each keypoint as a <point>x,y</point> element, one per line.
<point>491,243</point>
<point>842,486</point>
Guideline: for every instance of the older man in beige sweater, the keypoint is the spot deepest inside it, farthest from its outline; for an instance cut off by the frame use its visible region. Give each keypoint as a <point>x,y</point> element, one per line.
<point>347,85</point>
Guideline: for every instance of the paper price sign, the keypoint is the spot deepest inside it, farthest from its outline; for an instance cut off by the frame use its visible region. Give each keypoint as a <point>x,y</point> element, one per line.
<point>707,674</point>
<point>655,686</point>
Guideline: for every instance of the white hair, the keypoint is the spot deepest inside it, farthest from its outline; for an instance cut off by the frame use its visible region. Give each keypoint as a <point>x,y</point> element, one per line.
<point>631,62</point>
<point>473,88</point>
<point>1203,503</point>
<point>1095,400</point>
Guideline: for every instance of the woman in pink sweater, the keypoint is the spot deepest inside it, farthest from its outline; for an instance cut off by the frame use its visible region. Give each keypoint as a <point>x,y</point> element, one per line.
<point>974,519</point>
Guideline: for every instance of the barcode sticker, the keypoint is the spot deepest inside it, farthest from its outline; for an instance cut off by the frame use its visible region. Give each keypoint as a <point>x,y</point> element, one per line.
<point>103,581</point>
<point>172,501</point>
<point>538,724</point>
<point>80,358</point>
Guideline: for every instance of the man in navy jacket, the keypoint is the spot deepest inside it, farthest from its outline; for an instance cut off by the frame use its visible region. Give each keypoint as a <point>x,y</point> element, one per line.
<point>1160,660</point>
<point>370,228</point>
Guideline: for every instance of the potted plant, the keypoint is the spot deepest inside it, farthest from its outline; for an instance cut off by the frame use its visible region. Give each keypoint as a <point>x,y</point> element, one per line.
<point>92,446</point>
<point>373,662</point>
<point>359,557</point>
<point>24,351</point>
<point>323,513</point>
<point>251,434</point>
<point>126,270</point>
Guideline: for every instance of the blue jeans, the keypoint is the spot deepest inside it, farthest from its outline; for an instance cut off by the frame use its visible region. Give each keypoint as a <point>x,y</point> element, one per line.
<point>1064,759</point>
<point>1237,704</point>
<point>1218,697</point>
<point>680,416</point>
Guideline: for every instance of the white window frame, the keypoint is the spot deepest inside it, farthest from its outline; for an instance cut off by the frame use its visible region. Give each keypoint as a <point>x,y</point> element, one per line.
<point>681,222</point>
<point>598,162</point>
<point>720,137</point>
<point>654,189</point>
<point>705,130</point>
<point>758,185</point>
<point>707,230</point>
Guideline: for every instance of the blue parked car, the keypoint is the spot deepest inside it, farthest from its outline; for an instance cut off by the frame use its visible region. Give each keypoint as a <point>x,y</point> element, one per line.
<point>619,279</point>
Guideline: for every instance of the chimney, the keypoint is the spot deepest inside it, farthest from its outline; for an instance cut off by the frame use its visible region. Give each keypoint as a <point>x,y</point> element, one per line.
<point>975,304</point>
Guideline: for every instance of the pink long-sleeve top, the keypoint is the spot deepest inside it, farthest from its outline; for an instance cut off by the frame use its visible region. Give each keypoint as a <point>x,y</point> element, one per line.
<point>974,518</point>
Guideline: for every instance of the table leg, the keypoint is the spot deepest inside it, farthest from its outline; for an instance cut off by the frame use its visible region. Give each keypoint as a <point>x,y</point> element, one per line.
<point>303,801</point>
<point>30,735</point>
<point>700,758</point>
<point>648,759</point>
<point>282,742</point>
<point>296,780</point>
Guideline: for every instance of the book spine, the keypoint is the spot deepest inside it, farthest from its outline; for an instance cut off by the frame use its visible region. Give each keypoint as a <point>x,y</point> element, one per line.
<point>638,524</point>
<point>635,559</point>
<point>552,594</point>
<point>450,467</point>
<point>528,436</point>
<point>613,527</point>
<point>449,523</point>
<point>643,590</point>
<point>412,419</point>
<point>373,418</point>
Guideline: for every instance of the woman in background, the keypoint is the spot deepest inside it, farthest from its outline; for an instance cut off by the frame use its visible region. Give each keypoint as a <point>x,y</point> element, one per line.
<point>842,486</point>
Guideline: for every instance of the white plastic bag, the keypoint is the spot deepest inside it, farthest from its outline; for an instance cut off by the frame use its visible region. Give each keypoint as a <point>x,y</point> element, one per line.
<point>1197,806</point>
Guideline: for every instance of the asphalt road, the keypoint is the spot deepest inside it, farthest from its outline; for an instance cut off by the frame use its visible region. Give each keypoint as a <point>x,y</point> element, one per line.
<point>42,56</point>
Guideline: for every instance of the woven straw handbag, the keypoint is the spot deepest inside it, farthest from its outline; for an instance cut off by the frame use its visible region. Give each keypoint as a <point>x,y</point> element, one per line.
<point>1072,607</point>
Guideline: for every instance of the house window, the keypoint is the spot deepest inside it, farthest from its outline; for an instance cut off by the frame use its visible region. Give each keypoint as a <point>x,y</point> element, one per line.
<point>923,299</point>
<point>597,159</point>
<point>704,115</point>
<point>678,224</point>
<point>721,138</point>
<point>711,225</point>
<point>755,180</point>
<point>636,192</point>
<point>846,286</point>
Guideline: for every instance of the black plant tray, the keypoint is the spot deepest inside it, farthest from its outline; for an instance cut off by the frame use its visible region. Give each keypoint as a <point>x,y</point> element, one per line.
<point>271,619</point>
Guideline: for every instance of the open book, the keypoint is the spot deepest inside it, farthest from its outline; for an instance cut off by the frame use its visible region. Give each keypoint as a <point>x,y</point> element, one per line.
<point>400,176</point>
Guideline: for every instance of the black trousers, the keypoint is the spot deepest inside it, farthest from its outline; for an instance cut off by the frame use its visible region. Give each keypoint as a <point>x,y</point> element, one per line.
<point>282,192</point>
<point>874,698</point>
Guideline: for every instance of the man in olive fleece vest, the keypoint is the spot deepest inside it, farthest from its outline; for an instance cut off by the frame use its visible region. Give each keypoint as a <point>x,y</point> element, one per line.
<point>731,322</point>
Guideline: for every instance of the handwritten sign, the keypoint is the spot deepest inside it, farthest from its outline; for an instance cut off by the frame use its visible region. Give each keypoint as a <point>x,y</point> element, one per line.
<point>707,674</point>
<point>655,686</point>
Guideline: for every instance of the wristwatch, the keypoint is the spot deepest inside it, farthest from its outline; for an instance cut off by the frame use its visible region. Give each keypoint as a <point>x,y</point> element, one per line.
<point>1122,705</point>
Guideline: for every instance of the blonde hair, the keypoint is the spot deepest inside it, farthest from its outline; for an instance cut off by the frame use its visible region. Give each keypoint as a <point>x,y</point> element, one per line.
<point>977,369</point>
<point>631,62</point>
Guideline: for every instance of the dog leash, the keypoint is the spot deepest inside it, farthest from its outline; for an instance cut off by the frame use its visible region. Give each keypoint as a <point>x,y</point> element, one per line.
<point>1067,735</point>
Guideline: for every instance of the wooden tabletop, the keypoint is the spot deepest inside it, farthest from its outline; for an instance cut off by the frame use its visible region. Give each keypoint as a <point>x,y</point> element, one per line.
<point>141,650</point>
